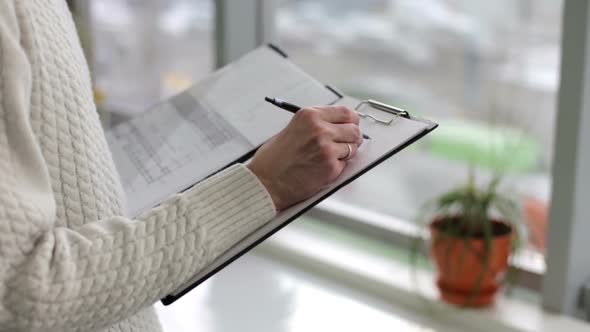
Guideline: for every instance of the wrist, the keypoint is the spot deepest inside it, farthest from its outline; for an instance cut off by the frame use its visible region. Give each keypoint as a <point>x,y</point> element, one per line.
<point>269,185</point>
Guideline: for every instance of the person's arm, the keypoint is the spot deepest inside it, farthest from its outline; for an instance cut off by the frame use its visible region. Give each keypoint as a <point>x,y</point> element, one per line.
<point>84,278</point>
<point>56,278</point>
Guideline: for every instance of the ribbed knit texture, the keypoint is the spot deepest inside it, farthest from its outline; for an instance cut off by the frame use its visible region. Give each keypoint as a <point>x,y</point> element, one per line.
<point>68,260</point>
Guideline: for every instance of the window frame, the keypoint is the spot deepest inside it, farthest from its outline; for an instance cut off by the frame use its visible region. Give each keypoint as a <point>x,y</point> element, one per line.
<point>241,26</point>
<point>568,267</point>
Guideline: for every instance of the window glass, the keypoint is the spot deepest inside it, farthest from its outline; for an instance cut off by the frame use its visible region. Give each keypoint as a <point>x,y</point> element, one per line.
<point>147,50</point>
<point>487,71</point>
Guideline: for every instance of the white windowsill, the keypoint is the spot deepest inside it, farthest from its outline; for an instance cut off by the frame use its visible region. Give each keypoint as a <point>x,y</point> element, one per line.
<point>525,259</point>
<point>393,281</point>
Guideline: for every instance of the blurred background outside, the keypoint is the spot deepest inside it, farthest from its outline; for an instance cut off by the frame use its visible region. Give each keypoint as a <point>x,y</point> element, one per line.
<point>487,71</point>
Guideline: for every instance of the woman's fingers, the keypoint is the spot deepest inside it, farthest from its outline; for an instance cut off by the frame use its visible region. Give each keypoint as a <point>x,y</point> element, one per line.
<point>347,151</point>
<point>308,154</point>
<point>338,114</point>
<point>343,123</point>
<point>346,133</point>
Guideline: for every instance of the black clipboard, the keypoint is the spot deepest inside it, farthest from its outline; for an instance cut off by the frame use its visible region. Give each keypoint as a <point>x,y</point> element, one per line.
<point>396,112</point>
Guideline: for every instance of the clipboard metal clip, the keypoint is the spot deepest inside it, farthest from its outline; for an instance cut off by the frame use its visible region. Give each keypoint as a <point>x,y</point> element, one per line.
<point>382,107</point>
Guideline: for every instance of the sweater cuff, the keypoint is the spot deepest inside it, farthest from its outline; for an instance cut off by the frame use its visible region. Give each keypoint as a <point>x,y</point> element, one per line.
<point>230,205</point>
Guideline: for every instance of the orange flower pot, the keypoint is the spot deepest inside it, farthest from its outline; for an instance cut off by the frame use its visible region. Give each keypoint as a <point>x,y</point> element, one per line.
<point>460,265</point>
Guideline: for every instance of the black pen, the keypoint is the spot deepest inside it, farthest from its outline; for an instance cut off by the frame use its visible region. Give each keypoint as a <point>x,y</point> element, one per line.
<point>290,107</point>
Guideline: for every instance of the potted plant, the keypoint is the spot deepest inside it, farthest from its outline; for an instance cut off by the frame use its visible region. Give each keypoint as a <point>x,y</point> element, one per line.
<point>473,232</point>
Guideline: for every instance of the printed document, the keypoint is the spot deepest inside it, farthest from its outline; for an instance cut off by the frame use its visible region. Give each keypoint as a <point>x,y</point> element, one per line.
<point>196,133</point>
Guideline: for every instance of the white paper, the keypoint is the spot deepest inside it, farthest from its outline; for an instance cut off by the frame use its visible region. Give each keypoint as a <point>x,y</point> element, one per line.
<point>222,118</point>
<point>194,134</point>
<point>384,139</point>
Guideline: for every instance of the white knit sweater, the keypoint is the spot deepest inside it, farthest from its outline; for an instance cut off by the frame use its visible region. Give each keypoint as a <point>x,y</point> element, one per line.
<point>69,261</point>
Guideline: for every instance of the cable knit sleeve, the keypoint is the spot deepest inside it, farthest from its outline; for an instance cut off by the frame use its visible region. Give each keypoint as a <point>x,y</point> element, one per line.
<point>58,278</point>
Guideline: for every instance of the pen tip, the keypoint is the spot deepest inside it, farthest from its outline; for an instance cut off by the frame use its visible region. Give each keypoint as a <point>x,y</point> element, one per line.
<point>270,100</point>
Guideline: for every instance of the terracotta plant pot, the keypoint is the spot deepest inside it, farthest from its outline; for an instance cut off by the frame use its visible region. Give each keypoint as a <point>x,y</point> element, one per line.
<point>461,266</point>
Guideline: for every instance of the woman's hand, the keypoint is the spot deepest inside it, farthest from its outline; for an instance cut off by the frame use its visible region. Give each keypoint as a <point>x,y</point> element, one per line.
<point>308,154</point>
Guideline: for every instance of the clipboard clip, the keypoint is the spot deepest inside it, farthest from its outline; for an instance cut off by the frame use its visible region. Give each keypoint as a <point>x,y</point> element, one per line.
<point>382,107</point>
